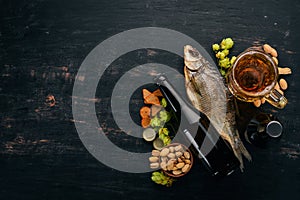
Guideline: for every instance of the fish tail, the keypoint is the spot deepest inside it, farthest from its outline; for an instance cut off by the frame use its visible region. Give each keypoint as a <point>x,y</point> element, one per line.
<point>238,155</point>
<point>245,152</point>
<point>235,149</point>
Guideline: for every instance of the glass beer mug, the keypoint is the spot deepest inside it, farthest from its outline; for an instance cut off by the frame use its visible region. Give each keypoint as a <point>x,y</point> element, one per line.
<point>253,76</point>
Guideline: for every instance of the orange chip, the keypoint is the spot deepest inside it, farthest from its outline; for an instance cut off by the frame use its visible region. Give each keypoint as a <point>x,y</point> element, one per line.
<point>146,122</point>
<point>145,112</point>
<point>146,93</point>
<point>152,99</point>
<point>157,93</point>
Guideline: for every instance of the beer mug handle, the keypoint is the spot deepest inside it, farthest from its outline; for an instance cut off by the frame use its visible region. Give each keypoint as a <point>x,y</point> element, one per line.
<point>276,99</point>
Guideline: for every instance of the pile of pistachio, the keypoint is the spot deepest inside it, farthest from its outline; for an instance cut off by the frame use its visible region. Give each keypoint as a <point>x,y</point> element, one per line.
<point>174,160</point>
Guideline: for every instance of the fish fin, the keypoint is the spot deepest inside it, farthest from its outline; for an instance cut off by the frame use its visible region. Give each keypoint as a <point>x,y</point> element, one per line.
<point>194,84</point>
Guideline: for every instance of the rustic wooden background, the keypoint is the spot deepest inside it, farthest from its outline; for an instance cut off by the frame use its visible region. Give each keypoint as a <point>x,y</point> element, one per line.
<point>42,44</point>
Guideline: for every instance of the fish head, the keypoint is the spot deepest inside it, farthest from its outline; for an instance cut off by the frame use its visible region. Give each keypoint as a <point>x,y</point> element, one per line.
<point>192,58</point>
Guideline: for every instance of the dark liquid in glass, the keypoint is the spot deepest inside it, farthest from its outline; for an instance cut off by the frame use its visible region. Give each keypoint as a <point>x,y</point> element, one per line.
<point>254,73</point>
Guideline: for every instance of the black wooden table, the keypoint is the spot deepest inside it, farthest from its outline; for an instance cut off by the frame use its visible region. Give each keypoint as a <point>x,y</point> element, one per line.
<point>42,45</point>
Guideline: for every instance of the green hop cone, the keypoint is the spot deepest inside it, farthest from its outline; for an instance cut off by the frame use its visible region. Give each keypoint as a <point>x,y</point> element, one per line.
<point>164,116</point>
<point>215,47</point>
<point>162,179</point>
<point>220,55</point>
<point>164,131</point>
<point>163,102</point>
<point>157,122</point>
<point>227,43</point>
<point>223,72</point>
<point>225,52</point>
<point>224,63</point>
<point>232,60</point>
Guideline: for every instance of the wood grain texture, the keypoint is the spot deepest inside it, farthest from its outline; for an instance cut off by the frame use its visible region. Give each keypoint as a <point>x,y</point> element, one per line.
<point>42,44</point>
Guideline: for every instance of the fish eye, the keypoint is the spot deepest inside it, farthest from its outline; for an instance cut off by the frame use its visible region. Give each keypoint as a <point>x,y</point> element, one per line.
<point>193,53</point>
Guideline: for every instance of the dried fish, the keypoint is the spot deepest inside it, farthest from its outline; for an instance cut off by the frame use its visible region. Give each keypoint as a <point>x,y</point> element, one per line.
<point>207,92</point>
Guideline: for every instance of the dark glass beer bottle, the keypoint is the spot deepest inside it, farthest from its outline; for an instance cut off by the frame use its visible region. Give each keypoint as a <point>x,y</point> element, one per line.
<point>218,157</point>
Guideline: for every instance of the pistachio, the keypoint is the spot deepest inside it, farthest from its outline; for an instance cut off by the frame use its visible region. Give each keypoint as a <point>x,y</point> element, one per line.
<point>178,154</point>
<point>177,172</point>
<point>175,168</point>
<point>283,84</point>
<point>153,159</point>
<point>163,159</point>
<point>155,153</point>
<point>163,165</point>
<point>164,152</point>
<point>172,149</point>
<point>180,165</point>
<point>185,168</point>
<point>154,165</point>
<point>284,70</point>
<point>171,155</point>
<point>178,148</point>
<point>187,155</point>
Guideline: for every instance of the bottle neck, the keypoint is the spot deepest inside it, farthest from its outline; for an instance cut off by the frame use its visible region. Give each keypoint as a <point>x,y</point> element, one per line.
<point>189,113</point>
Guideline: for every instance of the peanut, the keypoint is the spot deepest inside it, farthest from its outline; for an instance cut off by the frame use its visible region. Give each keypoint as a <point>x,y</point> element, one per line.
<point>275,60</point>
<point>283,84</point>
<point>185,168</point>
<point>268,49</point>
<point>285,70</point>
<point>257,103</point>
<point>187,155</point>
<point>180,165</point>
<point>177,172</point>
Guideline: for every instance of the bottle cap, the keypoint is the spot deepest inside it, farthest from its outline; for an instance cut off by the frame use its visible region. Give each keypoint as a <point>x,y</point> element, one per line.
<point>274,129</point>
<point>149,134</point>
<point>158,144</point>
